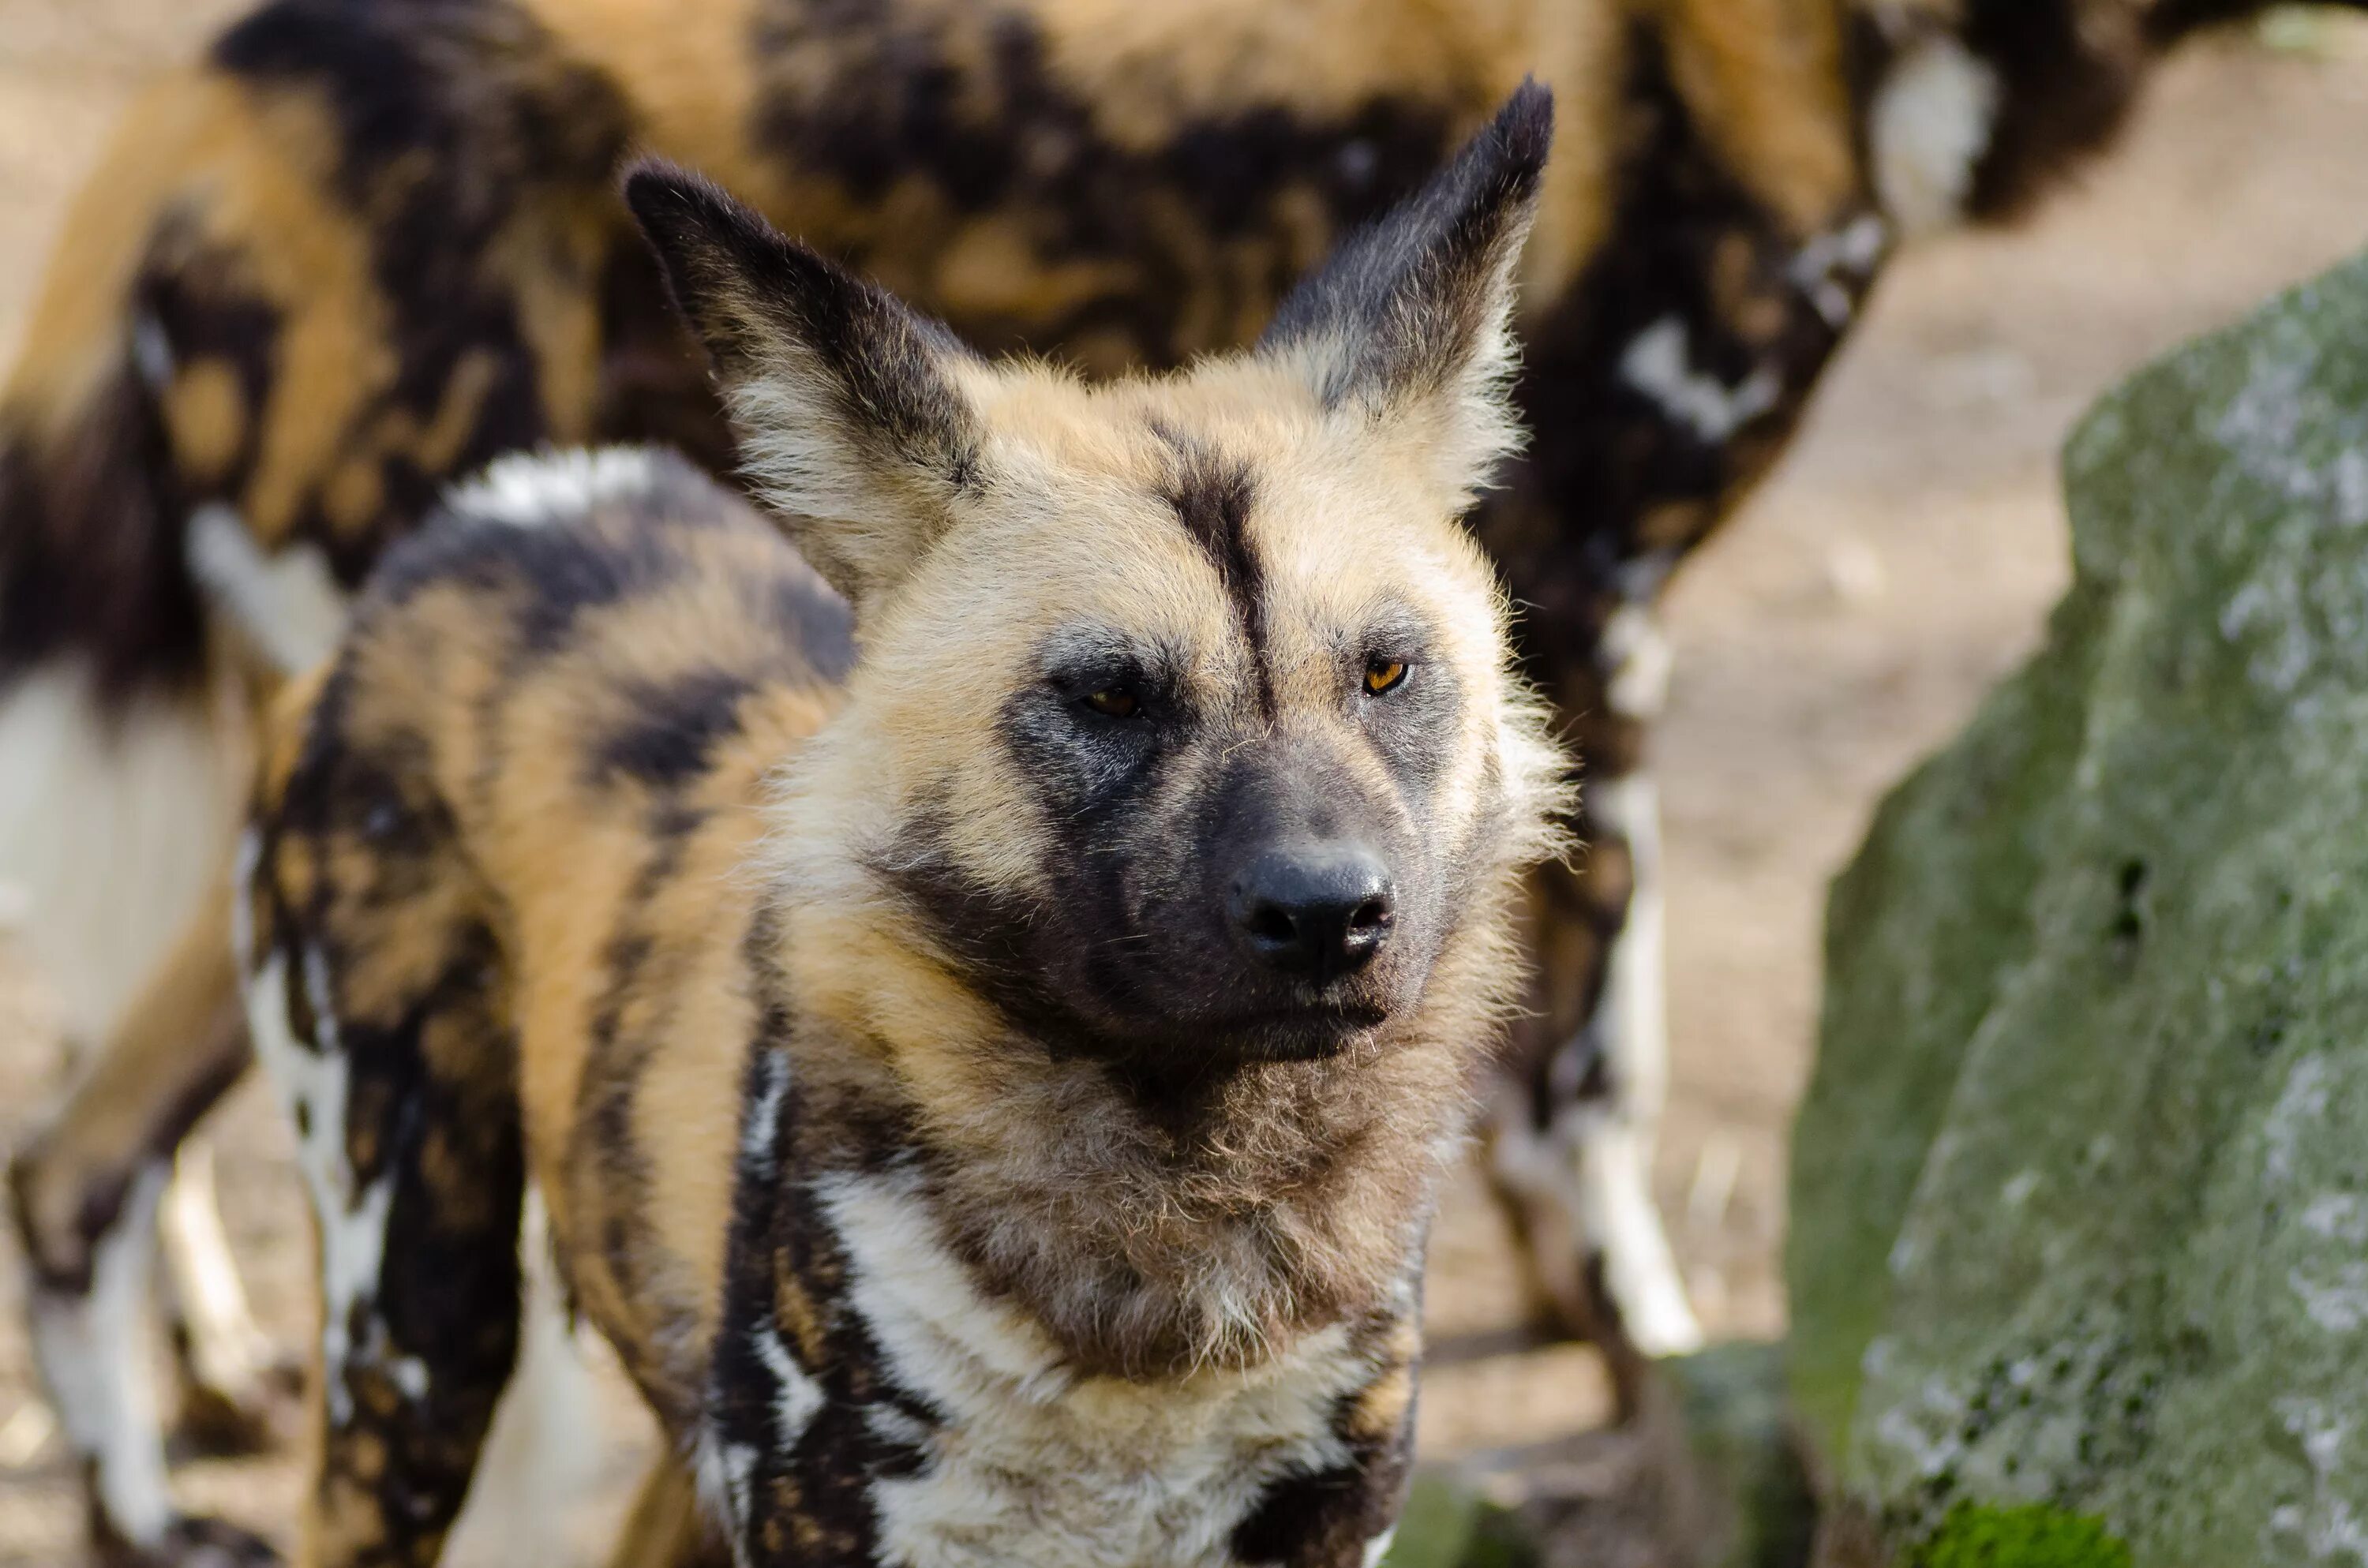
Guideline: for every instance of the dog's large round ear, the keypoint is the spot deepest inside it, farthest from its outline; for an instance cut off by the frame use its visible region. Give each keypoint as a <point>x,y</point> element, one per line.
<point>1411,319</point>
<point>848,406</point>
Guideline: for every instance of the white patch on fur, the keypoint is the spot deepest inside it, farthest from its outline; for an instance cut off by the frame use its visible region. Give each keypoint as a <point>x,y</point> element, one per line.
<point>1379,1547</point>
<point>1659,363</point>
<point>1634,1014</point>
<point>1637,653</point>
<point>1587,1179</point>
<point>722,1471</point>
<point>1617,1170</point>
<point>1929,126</point>
<point>111,831</point>
<point>287,602</point>
<point>542,1455</point>
<point>528,489</point>
<point>1830,262</point>
<point>352,1217</point>
<point>151,353</point>
<point>761,1122</point>
<point>1039,1466</point>
<point>92,1354</point>
<point>245,859</point>
<point>227,1352</point>
<point>797,1398</point>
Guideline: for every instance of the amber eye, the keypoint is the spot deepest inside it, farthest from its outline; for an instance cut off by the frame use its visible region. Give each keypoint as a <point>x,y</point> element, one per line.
<point>1117,702</point>
<point>1382,674</point>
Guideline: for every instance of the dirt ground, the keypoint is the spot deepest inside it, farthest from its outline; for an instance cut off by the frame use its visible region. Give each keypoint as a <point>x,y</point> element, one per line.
<point>1900,561</point>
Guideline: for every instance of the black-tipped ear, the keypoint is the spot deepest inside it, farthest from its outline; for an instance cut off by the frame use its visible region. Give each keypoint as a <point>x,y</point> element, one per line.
<point>1413,316</point>
<point>852,425</point>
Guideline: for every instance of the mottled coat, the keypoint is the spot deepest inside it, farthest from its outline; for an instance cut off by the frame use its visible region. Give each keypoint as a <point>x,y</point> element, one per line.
<point>986,1056</point>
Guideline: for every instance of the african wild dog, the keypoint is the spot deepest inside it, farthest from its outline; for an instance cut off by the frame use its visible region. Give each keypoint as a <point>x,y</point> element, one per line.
<point>362,249</point>
<point>987,1044</point>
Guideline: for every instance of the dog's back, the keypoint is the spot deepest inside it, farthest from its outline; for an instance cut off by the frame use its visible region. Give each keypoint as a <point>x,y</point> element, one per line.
<point>508,814</point>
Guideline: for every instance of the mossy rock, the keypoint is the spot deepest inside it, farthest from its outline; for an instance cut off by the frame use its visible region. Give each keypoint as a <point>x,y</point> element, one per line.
<point>2080,1186</point>
<point>2037,1537</point>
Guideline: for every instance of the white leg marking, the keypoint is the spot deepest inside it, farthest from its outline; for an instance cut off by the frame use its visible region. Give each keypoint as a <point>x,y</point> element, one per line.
<point>92,1354</point>
<point>287,602</point>
<point>1637,653</point>
<point>1379,1547</point>
<point>1614,1152</point>
<point>1928,129</point>
<point>227,1352</point>
<point>1659,363</point>
<point>313,1085</point>
<point>542,1455</point>
<point>1634,1014</point>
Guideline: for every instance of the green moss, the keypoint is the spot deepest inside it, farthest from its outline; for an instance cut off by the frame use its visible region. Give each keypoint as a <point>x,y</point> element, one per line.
<point>1977,1537</point>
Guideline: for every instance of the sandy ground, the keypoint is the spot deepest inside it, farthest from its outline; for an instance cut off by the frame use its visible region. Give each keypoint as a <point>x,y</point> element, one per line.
<point>1901,560</point>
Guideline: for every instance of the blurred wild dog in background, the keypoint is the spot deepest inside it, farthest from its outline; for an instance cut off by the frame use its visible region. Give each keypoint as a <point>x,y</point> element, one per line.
<point>361,250</point>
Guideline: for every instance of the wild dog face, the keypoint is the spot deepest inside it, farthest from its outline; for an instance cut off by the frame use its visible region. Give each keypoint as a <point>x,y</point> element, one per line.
<point>1183,732</point>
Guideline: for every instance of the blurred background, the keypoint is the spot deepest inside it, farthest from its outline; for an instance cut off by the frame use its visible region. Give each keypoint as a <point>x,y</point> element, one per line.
<point>1901,560</point>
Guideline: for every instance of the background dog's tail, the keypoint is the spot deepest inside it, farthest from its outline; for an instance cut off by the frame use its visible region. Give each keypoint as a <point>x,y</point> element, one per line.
<point>116,776</point>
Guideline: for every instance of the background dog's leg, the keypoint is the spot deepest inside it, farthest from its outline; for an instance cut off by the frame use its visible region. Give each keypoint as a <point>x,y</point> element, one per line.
<point>407,1136</point>
<point>85,1192</point>
<point>1619,1110</point>
<point>1572,1129</point>
<point>667,1528</point>
<point>544,1453</point>
<point>229,1403</point>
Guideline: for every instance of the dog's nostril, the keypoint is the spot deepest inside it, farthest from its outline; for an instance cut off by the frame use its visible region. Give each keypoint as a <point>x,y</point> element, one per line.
<point>1269,924</point>
<point>1370,916</point>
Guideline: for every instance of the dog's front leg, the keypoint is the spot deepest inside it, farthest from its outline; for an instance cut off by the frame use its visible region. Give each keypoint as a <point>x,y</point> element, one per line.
<point>408,1139</point>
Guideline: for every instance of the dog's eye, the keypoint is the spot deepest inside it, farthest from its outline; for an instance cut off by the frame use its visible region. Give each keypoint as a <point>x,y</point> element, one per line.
<point>1383,674</point>
<point>1115,701</point>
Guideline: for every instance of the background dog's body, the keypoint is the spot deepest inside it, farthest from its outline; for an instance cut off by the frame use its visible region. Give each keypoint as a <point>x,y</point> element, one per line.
<point>362,249</point>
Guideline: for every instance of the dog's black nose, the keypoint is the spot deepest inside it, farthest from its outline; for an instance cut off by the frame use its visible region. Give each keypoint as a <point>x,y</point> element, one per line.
<point>1321,910</point>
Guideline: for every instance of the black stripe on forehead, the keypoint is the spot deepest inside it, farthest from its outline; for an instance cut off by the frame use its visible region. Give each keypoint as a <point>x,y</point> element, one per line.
<point>1212,497</point>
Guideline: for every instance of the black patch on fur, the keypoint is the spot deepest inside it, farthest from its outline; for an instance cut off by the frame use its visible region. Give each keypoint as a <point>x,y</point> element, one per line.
<point>91,561</point>
<point>440,1125</point>
<point>1617,490</point>
<point>666,743</point>
<point>2068,72</point>
<point>991,938</point>
<point>992,126</point>
<point>1211,497</point>
<point>453,116</point>
<point>1329,1517</point>
<point>808,1501</point>
<point>554,574</point>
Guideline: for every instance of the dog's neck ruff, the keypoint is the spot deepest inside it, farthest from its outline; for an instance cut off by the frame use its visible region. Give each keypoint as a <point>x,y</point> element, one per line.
<point>870,1381</point>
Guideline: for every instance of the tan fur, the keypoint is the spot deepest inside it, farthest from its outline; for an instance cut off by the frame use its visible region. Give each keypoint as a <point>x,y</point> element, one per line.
<point>473,771</point>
